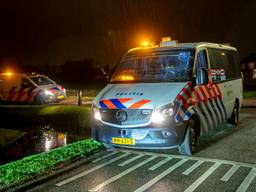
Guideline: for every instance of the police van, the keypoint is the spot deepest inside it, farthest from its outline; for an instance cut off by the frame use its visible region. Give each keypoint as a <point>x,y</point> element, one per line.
<point>34,88</point>
<point>166,96</point>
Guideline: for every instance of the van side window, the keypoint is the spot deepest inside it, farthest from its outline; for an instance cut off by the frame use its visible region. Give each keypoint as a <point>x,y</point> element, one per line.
<point>224,64</point>
<point>232,64</point>
<point>201,64</point>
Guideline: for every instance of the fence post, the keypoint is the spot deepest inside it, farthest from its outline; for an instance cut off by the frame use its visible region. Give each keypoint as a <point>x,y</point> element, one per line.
<point>79,95</point>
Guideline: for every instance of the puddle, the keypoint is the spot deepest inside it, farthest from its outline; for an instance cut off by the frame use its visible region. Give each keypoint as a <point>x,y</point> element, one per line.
<point>36,139</point>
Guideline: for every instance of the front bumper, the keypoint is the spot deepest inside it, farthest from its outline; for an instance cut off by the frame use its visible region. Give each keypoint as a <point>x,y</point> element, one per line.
<point>55,97</point>
<point>166,136</point>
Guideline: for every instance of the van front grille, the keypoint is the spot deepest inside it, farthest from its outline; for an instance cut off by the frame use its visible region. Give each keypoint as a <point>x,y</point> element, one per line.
<point>133,116</point>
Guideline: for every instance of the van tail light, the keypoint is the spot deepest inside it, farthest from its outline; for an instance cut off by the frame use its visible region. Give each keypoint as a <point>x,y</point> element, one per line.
<point>62,88</point>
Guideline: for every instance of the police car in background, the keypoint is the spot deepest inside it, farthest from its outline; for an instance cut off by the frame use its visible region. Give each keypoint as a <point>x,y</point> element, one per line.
<point>34,88</point>
<point>166,96</point>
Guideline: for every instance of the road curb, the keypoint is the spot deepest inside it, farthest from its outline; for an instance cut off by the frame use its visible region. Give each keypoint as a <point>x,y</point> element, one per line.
<point>51,173</point>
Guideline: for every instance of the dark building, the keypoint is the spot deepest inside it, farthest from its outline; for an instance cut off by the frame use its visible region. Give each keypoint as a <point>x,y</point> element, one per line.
<point>248,67</point>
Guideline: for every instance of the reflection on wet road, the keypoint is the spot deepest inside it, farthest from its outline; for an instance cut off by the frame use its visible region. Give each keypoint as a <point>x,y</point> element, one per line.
<point>32,140</point>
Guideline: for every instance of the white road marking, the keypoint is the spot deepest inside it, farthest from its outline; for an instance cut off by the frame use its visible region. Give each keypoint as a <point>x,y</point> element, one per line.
<point>105,156</point>
<point>131,160</point>
<point>90,170</point>
<point>122,174</point>
<point>230,172</point>
<point>198,182</point>
<point>217,162</point>
<point>249,165</point>
<point>193,167</point>
<point>160,176</point>
<point>247,181</point>
<point>159,164</point>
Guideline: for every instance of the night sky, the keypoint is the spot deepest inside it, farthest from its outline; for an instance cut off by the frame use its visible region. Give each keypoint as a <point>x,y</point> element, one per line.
<point>54,31</point>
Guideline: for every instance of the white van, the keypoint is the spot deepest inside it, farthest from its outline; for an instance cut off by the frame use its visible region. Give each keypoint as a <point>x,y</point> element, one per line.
<point>34,88</point>
<point>166,96</point>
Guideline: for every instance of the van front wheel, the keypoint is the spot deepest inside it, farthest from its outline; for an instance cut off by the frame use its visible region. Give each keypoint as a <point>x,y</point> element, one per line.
<point>235,116</point>
<point>188,147</point>
<point>39,100</point>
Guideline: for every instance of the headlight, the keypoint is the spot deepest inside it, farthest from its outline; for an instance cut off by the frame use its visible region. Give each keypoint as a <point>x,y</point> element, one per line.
<point>47,92</point>
<point>167,112</point>
<point>96,114</point>
<point>157,117</point>
<point>162,114</point>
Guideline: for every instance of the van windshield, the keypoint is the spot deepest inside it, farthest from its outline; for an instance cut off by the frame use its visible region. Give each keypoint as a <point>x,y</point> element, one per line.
<point>41,80</point>
<point>171,66</point>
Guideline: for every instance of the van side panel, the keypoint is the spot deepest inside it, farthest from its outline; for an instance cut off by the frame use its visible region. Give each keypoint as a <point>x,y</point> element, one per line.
<point>11,90</point>
<point>204,101</point>
<point>8,85</point>
<point>213,103</point>
<point>235,90</point>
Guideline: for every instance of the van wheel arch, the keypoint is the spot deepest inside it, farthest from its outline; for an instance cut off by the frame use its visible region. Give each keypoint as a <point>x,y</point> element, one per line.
<point>233,120</point>
<point>38,100</point>
<point>197,124</point>
<point>190,136</point>
<point>237,102</point>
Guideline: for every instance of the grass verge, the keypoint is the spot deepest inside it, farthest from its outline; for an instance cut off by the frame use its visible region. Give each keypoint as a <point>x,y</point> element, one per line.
<point>28,167</point>
<point>9,136</point>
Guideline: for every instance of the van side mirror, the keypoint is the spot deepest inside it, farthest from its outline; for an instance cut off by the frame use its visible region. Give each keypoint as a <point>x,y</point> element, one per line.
<point>202,76</point>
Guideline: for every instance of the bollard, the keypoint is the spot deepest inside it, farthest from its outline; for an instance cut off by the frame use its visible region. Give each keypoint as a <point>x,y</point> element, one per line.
<point>79,97</point>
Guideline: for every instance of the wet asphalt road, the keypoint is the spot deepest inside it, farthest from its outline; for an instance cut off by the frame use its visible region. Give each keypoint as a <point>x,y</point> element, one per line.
<point>225,163</point>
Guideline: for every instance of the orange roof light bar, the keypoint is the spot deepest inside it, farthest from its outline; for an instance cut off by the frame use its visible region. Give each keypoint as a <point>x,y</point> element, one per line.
<point>164,39</point>
<point>146,43</point>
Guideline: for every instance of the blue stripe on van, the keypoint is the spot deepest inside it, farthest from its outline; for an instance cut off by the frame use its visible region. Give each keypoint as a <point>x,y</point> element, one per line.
<point>224,108</point>
<point>55,88</point>
<point>210,112</point>
<point>218,106</point>
<point>178,118</point>
<point>103,106</point>
<point>205,116</point>
<point>215,112</point>
<point>117,103</point>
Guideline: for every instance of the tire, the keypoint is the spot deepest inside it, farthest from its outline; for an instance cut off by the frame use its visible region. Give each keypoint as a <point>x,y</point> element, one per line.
<point>107,146</point>
<point>189,145</point>
<point>39,100</point>
<point>235,116</point>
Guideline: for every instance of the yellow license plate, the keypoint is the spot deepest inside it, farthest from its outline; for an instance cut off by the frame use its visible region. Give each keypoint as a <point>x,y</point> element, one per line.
<point>61,97</point>
<point>123,141</point>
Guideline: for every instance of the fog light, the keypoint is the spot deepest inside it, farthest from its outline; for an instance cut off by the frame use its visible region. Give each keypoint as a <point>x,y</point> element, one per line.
<point>166,134</point>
